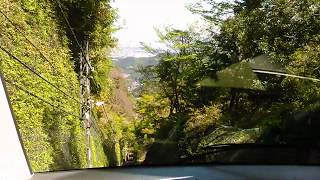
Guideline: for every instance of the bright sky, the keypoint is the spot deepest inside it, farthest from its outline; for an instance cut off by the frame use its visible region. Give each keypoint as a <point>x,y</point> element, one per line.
<point>139,17</point>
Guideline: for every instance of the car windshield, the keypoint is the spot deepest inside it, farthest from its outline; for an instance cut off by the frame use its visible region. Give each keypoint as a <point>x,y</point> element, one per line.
<point>106,83</point>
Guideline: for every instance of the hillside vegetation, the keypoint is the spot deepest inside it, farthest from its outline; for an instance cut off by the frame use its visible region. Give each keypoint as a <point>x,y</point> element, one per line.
<point>250,74</point>
<point>205,91</point>
<point>35,36</point>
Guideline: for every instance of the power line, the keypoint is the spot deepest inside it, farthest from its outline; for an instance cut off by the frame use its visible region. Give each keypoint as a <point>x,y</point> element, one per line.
<point>89,70</point>
<point>36,73</point>
<point>73,33</point>
<point>84,88</point>
<point>42,55</point>
<point>30,42</point>
<point>76,39</point>
<point>41,99</point>
<point>94,124</point>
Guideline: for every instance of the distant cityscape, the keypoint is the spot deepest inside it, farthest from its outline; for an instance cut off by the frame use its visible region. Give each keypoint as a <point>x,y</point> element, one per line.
<point>128,59</point>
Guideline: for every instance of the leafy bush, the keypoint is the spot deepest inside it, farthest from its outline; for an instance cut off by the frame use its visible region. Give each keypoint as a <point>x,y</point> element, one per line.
<point>202,120</point>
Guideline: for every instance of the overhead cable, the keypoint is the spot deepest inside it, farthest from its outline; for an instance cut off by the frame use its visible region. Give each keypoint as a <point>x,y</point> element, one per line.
<point>36,73</point>
<point>40,98</point>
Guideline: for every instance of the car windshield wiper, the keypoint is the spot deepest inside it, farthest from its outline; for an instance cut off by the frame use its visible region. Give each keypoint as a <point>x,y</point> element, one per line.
<point>218,148</point>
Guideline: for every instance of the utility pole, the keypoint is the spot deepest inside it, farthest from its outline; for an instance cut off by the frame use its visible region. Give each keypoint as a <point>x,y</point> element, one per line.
<point>86,102</point>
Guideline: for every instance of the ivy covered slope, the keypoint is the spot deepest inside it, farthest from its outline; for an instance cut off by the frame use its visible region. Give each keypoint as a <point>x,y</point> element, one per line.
<point>92,21</point>
<point>115,117</point>
<point>34,33</point>
<point>53,139</point>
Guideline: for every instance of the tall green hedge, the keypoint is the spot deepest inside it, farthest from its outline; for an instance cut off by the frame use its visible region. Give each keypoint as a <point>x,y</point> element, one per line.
<point>52,138</point>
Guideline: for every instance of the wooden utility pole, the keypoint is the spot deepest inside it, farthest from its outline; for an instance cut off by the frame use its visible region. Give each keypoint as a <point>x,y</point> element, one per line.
<point>86,102</point>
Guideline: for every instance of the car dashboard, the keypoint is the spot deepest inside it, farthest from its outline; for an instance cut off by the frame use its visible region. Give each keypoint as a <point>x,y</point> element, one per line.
<point>191,172</point>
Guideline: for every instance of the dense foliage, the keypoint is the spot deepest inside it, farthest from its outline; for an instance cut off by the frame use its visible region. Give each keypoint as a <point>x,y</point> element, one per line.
<point>38,35</point>
<point>52,138</point>
<point>207,78</point>
<point>203,88</point>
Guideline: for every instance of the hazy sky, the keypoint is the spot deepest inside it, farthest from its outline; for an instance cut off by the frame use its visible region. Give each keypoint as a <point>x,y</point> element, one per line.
<point>139,17</point>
